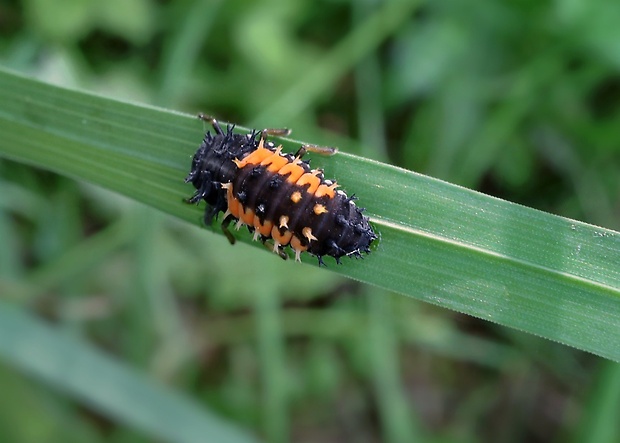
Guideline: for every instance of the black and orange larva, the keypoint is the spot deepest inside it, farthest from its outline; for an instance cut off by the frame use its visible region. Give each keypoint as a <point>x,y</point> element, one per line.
<point>277,195</point>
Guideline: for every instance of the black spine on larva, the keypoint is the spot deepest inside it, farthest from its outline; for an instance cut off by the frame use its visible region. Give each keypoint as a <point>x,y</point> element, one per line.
<point>213,165</point>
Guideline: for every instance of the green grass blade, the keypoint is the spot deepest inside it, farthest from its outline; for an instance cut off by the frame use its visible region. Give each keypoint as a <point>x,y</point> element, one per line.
<point>599,422</point>
<point>105,384</point>
<point>450,246</point>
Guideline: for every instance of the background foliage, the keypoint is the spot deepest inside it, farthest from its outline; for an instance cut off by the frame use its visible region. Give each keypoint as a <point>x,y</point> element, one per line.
<point>516,99</point>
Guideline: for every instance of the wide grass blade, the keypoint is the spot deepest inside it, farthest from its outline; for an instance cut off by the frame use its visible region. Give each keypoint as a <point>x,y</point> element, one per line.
<point>450,246</point>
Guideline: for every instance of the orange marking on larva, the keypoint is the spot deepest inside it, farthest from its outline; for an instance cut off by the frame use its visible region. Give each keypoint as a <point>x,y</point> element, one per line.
<point>284,222</point>
<point>282,239</point>
<point>294,170</point>
<point>319,209</point>
<point>307,232</point>
<point>274,162</point>
<point>248,217</point>
<point>264,228</point>
<point>255,157</point>
<point>297,246</point>
<point>296,197</point>
<point>256,222</point>
<point>233,205</point>
<point>309,178</point>
<point>325,190</point>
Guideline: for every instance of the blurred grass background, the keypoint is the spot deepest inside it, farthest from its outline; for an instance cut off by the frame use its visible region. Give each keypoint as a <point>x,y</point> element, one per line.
<point>520,100</point>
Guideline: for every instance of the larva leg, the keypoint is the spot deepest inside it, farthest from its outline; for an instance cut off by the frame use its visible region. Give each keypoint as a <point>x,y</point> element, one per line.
<point>278,132</point>
<point>229,235</point>
<point>323,150</point>
<point>213,121</point>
